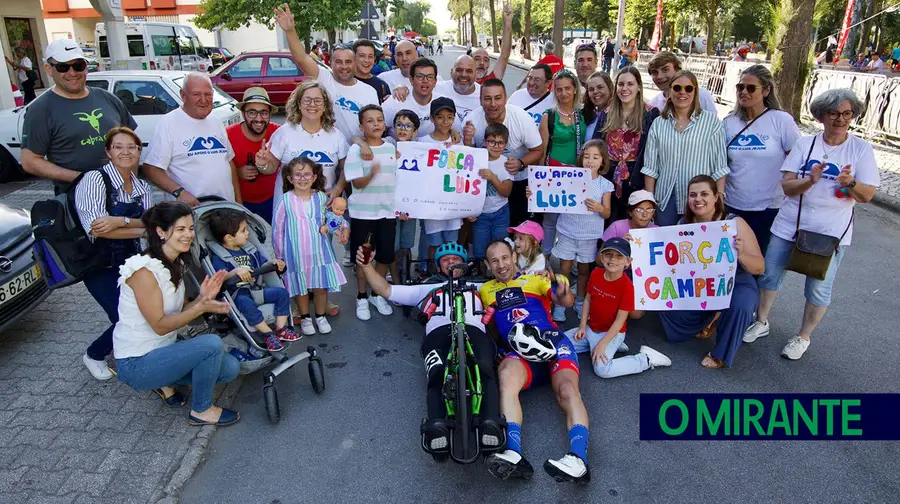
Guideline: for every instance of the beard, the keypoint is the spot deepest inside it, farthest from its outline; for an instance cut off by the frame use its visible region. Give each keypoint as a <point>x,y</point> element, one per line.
<point>256,127</point>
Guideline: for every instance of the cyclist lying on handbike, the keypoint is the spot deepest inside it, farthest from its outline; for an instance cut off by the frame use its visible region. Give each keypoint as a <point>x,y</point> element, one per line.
<point>434,302</point>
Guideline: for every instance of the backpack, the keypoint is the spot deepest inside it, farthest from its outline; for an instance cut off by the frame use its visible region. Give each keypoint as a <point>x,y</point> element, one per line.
<point>62,248</point>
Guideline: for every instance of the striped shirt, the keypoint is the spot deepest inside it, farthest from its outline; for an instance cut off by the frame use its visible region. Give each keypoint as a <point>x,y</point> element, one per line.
<point>376,200</point>
<point>90,195</point>
<point>674,158</point>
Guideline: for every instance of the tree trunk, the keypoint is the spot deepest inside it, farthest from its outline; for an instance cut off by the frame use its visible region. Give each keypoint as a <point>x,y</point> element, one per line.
<point>710,29</point>
<point>459,31</point>
<point>558,13</point>
<point>472,34</point>
<point>527,29</point>
<point>853,39</point>
<point>865,33</point>
<point>332,38</point>
<point>791,63</point>
<point>493,23</point>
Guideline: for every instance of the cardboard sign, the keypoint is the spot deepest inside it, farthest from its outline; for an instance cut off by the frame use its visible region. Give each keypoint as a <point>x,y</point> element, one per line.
<point>558,189</point>
<point>688,267</point>
<point>434,182</point>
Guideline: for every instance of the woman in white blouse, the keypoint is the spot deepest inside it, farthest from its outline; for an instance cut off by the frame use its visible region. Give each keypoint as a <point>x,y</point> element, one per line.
<point>152,309</point>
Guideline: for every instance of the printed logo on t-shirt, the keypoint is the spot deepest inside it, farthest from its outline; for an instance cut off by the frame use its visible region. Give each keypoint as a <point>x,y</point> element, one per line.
<point>517,315</point>
<point>202,146</point>
<point>491,190</point>
<point>750,142</point>
<point>318,156</point>
<point>92,118</point>
<point>348,105</point>
<point>830,172</point>
<point>536,118</point>
<point>244,260</point>
<point>509,297</point>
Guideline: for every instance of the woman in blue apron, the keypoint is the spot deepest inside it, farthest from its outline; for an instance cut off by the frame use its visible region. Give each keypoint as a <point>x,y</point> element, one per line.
<point>706,204</point>
<point>110,202</point>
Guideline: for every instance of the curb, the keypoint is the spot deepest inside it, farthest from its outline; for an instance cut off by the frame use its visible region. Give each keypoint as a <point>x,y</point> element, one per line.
<point>195,454</point>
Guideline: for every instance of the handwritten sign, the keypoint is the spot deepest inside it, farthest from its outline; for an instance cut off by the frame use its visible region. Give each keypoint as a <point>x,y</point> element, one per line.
<point>688,267</point>
<point>558,189</point>
<point>434,182</point>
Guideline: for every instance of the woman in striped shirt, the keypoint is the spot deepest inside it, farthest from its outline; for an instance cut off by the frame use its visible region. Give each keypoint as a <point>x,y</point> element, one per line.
<point>685,142</point>
<point>116,228</point>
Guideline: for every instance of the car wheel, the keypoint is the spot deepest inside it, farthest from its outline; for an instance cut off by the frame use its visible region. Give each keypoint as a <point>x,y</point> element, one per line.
<point>10,169</point>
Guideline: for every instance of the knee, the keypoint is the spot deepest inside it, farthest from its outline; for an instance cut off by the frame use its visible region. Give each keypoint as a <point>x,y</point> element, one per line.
<point>230,368</point>
<point>602,370</point>
<point>567,392</point>
<point>212,343</point>
<point>511,377</point>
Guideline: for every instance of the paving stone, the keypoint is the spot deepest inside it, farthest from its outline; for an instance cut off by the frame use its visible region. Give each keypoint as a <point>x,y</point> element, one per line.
<point>38,438</point>
<point>136,464</point>
<point>43,481</point>
<point>52,499</point>
<point>91,483</point>
<point>9,457</point>
<point>9,479</point>
<point>81,459</point>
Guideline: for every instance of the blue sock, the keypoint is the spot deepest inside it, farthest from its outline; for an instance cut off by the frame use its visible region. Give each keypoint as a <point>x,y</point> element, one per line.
<point>578,440</point>
<point>514,437</point>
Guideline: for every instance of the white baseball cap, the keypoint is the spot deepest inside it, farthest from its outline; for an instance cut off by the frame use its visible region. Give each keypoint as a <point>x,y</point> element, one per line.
<point>63,51</point>
<point>638,197</point>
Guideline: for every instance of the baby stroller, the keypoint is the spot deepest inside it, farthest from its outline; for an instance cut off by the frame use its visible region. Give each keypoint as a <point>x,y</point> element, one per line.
<point>236,331</point>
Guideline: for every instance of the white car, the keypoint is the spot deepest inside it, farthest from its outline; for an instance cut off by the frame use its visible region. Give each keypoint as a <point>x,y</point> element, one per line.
<point>147,94</point>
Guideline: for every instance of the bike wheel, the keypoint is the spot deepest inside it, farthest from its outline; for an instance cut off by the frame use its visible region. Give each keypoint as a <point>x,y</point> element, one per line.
<point>463,407</point>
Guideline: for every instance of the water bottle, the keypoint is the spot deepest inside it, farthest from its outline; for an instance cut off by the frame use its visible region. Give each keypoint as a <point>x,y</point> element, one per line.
<point>488,314</point>
<point>256,353</point>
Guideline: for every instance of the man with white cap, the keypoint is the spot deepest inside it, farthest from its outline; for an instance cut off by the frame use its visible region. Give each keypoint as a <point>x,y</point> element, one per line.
<point>64,132</point>
<point>248,138</point>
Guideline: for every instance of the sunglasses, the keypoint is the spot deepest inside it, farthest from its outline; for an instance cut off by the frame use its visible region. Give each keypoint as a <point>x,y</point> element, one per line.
<point>78,66</point>
<point>687,89</point>
<point>751,88</point>
<point>587,47</point>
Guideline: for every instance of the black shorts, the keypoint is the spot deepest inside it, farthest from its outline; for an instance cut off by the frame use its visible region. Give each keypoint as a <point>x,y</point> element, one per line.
<point>383,231</point>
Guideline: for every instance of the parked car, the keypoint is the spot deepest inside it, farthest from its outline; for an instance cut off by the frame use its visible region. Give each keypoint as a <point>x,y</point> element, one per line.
<point>219,56</point>
<point>22,285</point>
<point>93,64</point>
<point>147,94</point>
<point>275,71</point>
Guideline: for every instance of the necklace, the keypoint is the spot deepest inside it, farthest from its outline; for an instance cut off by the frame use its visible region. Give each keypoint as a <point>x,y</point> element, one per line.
<point>568,116</point>
<point>825,151</point>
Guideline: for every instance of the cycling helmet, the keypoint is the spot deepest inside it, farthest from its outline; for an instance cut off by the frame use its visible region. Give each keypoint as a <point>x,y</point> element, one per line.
<point>450,248</point>
<point>530,343</point>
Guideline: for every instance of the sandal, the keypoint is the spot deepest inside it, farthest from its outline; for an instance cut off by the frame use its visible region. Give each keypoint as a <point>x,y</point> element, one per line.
<point>710,362</point>
<point>708,330</point>
<point>227,417</point>
<point>176,400</point>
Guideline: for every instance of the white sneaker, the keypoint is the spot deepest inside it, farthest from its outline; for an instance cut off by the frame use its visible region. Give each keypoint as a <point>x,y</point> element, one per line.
<point>381,305</point>
<point>98,369</point>
<point>755,331</point>
<point>568,468</point>
<point>559,313</point>
<point>623,348</point>
<point>322,325</point>
<point>795,348</point>
<point>306,326</point>
<point>348,259</point>
<point>655,358</point>
<point>362,309</point>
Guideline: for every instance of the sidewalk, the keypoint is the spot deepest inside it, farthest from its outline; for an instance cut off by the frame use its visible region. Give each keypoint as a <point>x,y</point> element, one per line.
<point>888,159</point>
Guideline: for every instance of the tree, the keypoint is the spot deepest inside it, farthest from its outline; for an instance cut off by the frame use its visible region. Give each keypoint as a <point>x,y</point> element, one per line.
<point>791,64</point>
<point>527,28</point>
<point>473,33</point>
<point>493,23</point>
<point>558,15</point>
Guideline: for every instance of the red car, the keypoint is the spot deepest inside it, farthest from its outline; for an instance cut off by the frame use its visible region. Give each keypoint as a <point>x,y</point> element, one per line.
<point>275,71</point>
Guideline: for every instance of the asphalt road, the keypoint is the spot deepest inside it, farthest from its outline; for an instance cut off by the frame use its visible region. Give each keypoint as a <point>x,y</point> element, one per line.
<point>359,441</point>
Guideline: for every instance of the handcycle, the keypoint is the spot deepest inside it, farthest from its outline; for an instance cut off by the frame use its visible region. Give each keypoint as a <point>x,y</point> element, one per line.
<point>462,387</point>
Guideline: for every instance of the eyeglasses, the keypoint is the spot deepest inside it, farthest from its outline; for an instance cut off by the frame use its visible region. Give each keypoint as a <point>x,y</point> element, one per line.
<point>314,101</point>
<point>303,176</point>
<point>405,127</point>
<point>687,89</point>
<point>539,80</point>
<point>132,148</point>
<point>78,66</point>
<point>751,88</point>
<point>645,212</point>
<point>425,77</point>
<point>495,143</point>
<point>253,114</point>
<point>834,115</point>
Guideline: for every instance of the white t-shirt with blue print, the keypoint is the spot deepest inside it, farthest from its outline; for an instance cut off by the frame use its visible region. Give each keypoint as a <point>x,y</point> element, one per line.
<point>348,100</point>
<point>521,98</point>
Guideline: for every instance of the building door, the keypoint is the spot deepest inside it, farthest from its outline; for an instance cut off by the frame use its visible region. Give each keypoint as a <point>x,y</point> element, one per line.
<point>19,31</point>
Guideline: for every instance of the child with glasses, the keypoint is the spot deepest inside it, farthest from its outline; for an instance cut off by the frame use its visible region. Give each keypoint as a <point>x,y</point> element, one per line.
<point>404,129</point>
<point>493,222</point>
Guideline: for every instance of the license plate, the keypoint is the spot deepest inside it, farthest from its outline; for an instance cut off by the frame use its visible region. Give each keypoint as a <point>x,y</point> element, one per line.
<point>9,290</point>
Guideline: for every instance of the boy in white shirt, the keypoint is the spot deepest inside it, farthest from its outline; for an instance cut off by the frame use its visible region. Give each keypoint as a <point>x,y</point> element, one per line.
<point>493,222</point>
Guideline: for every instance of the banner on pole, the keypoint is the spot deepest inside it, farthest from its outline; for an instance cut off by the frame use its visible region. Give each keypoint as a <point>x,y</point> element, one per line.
<point>845,28</point>
<point>434,182</point>
<point>657,27</point>
<point>687,267</point>
<point>558,189</point>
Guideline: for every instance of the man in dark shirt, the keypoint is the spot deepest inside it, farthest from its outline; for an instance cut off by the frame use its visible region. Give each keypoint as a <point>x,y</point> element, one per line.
<point>65,128</point>
<point>364,50</point>
<point>609,52</point>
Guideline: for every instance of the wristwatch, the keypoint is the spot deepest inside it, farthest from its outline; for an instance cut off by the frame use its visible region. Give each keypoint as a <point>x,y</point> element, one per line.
<point>522,165</point>
<point>127,221</point>
<point>852,184</point>
<point>177,192</point>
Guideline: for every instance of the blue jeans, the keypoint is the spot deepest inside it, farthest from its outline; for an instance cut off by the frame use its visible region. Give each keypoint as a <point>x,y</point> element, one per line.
<point>248,308</point>
<point>103,286</point>
<point>441,237</point>
<point>670,215</point>
<point>200,361</point>
<point>489,227</point>
<point>263,209</point>
<point>405,238</point>
<point>817,292</point>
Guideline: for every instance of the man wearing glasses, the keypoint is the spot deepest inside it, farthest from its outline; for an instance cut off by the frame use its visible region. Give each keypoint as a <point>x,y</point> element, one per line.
<point>247,138</point>
<point>536,97</point>
<point>422,78</point>
<point>65,129</point>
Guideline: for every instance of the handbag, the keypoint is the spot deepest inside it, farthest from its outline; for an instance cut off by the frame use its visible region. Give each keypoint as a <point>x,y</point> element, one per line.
<point>813,252</point>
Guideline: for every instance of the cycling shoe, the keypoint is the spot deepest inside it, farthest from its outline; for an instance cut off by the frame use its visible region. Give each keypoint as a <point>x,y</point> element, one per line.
<point>493,436</point>
<point>509,464</point>
<point>436,435</point>
<point>568,468</point>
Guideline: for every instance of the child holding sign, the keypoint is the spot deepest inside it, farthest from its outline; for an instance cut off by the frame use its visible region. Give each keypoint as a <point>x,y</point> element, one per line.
<point>610,299</point>
<point>577,234</point>
<point>405,129</point>
<point>494,219</point>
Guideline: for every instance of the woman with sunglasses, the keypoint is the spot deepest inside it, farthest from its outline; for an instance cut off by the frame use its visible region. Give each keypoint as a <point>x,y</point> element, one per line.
<point>624,127</point>
<point>758,137</point>
<point>685,142</point>
<point>825,176</point>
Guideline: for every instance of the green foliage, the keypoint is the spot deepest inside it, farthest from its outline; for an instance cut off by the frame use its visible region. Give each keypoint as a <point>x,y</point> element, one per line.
<point>328,15</point>
<point>428,28</point>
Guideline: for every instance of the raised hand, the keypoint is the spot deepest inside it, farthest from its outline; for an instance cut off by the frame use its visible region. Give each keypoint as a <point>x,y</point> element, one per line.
<point>815,174</point>
<point>846,176</point>
<point>284,18</point>
<point>211,285</point>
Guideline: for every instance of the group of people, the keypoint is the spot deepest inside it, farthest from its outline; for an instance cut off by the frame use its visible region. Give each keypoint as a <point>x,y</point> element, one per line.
<point>659,162</point>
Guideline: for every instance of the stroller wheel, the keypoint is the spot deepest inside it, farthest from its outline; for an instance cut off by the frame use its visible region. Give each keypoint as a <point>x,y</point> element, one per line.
<point>271,398</point>
<point>440,457</point>
<point>317,375</point>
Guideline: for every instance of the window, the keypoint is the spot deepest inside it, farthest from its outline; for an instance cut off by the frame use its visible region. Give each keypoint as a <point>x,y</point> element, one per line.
<point>247,67</point>
<point>201,51</point>
<point>144,97</point>
<point>104,47</point>
<point>187,48</point>
<point>135,45</point>
<point>102,84</point>
<point>164,45</point>
<point>282,67</point>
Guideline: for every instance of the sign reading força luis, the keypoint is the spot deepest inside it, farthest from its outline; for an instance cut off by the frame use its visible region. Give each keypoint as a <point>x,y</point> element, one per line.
<point>688,267</point>
<point>558,189</point>
<point>434,182</point>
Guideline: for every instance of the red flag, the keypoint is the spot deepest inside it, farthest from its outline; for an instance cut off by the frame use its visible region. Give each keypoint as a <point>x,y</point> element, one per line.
<point>845,28</point>
<point>657,28</point>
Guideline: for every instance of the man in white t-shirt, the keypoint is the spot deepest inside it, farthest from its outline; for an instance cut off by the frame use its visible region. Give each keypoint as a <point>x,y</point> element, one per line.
<point>461,88</point>
<point>404,56</point>
<point>348,94</point>
<point>523,147</point>
<point>536,97</point>
<point>423,77</point>
<point>190,155</point>
<point>876,65</point>
<point>662,67</point>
